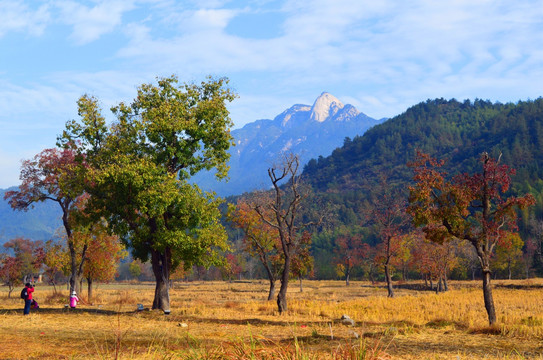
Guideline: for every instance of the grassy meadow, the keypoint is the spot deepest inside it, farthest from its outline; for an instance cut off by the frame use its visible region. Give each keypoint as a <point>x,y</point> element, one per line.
<point>222,320</point>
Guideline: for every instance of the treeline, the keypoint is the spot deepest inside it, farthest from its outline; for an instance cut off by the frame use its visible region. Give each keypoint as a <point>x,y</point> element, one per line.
<point>447,129</point>
<point>343,187</point>
<point>457,132</point>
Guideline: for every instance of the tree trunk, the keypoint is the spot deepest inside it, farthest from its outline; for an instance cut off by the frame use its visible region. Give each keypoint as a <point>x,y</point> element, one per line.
<point>389,280</point>
<point>76,269</point>
<point>89,289</point>
<point>71,248</point>
<point>282,296</point>
<point>431,283</point>
<point>426,280</point>
<point>73,269</point>
<point>484,257</point>
<point>160,262</point>
<point>271,277</point>
<point>370,275</point>
<point>489,301</point>
<point>509,269</point>
<point>445,282</point>
<point>347,276</point>
<point>301,285</point>
<point>271,293</point>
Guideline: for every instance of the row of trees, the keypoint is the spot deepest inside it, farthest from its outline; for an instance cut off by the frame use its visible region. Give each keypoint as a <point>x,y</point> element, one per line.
<point>131,178</point>
<point>24,260</point>
<point>274,230</point>
<point>442,212</point>
<point>414,256</point>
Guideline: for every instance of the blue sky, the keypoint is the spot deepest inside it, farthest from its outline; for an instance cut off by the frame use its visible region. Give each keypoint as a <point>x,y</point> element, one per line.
<point>380,55</point>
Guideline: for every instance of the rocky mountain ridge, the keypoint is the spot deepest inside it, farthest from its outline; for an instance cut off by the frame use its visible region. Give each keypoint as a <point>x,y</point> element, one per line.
<point>307,130</point>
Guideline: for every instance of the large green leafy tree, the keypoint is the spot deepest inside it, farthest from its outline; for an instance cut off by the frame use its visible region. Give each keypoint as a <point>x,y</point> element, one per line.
<point>139,169</point>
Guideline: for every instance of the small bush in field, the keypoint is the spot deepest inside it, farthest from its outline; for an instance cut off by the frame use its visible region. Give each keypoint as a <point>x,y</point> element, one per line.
<point>125,297</point>
<point>231,305</point>
<point>531,321</point>
<point>54,298</point>
<point>361,350</point>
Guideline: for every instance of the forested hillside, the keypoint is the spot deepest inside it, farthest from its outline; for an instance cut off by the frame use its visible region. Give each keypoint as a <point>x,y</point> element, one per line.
<point>457,131</point>
<point>446,129</point>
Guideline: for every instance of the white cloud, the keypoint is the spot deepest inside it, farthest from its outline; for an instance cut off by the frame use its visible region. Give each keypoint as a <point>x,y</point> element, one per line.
<point>90,23</point>
<point>403,51</point>
<point>381,56</point>
<point>17,16</point>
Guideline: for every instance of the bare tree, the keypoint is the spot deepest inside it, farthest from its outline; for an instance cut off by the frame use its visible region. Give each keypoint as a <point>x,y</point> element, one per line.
<point>387,215</point>
<point>282,212</point>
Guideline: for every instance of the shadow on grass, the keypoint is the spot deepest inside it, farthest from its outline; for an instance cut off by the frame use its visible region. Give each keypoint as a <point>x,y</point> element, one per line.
<point>519,286</point>
<point>401,286</point>
<point>248,321</point>
<point>64,311</point>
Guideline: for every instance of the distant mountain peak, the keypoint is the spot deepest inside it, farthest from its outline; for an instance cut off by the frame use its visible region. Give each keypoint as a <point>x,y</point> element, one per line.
<point>325,106</point>
<point>308,130</point>
<point>286,115</point>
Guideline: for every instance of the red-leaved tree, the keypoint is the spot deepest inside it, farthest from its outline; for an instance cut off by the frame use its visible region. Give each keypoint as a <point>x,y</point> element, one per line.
<point>22,260</point>
<point>233,266</point>
<point>103,255</point>
<point>434,260</point>
<point>53,175</point>
<point>10,272</point>
<point>466,207</point>
<point>349,252</point>
<point>302,262</point>
<point>261,239</point>
<point>390,221</point>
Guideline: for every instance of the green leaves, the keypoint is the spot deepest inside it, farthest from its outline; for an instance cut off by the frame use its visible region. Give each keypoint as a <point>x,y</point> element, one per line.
<point>139,167</point>
<point>183,129</point>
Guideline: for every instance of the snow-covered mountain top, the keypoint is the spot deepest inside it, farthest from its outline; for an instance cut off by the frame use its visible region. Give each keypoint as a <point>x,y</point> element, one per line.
<point>325,106</point>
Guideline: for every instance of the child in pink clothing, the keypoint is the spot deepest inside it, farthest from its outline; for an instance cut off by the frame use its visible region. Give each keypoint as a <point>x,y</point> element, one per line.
<point>73,300</point>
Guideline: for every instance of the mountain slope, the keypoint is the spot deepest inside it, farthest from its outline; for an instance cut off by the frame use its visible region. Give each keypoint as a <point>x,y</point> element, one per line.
<point>446,129</point>
<point>309,131</point>
<point>451,130</point>
<point>39,223</point>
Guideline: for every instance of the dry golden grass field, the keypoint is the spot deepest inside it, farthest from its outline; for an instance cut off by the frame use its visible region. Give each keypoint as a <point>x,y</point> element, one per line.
<point>221,320</point>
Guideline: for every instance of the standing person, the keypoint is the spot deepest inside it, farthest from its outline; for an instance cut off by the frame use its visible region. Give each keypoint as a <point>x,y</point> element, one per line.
<point>28,299</point>
<point>73,300</point>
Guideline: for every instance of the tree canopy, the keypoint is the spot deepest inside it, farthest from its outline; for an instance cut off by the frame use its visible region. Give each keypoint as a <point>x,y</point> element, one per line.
<point>140,165</point>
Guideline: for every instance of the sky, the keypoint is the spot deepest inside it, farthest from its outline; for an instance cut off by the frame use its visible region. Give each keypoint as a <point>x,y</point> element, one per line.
<point>381,56</point>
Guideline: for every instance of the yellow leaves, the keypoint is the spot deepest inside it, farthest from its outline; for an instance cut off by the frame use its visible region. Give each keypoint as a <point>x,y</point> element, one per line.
<point>340,270</point>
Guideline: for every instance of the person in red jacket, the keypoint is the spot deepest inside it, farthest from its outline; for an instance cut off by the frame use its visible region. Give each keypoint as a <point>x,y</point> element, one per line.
<point>28,301</point>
